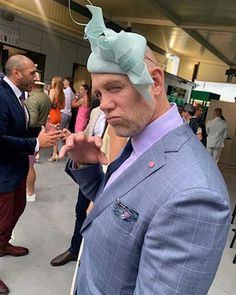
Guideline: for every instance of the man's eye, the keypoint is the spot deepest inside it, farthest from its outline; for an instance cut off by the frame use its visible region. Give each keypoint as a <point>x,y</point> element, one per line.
<point>114,89</point>
<point>98,95</point>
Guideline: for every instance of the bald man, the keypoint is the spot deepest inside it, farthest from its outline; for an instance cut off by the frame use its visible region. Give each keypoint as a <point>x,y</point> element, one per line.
<point>15,147</point>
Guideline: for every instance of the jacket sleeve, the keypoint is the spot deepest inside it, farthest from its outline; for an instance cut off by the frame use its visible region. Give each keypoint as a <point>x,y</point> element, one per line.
<point>226,132</point>
<point>11,140</point>
<point>88,177</point>
<point>183,245</point>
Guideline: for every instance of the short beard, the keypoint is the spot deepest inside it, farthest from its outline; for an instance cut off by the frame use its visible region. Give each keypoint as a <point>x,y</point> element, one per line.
<point>130,128</point>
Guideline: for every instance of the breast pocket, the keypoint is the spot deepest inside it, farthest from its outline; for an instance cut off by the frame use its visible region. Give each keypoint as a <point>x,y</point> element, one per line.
<point>124,218</point>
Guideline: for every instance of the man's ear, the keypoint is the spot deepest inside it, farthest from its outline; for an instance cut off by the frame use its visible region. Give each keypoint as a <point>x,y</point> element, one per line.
<point>158,78</point>
<point>17,73</point>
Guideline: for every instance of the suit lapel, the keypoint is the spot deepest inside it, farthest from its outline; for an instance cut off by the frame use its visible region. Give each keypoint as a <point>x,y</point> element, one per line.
<point>151,161</point>
<point>13,97</point>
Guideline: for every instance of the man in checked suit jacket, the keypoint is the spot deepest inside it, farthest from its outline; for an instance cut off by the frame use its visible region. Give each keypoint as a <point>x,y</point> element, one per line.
<point>159,224</point>
<point>15,147</point>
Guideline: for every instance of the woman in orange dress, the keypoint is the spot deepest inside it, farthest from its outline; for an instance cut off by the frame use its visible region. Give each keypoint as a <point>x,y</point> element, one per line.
<point>57,97</point>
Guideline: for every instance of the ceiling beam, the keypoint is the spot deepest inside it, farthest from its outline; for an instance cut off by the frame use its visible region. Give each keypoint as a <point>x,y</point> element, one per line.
<point>197,36</point>
<point>192,32</point>
<point>144,21</point>
<point>165,11</point>
<point>208,27</point>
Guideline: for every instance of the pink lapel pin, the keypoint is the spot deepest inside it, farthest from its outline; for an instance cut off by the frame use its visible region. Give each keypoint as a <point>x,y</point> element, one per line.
<point>151,164</point>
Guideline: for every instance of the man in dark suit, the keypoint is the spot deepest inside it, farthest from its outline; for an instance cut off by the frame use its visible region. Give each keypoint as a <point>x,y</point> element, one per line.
<point>15,147</point>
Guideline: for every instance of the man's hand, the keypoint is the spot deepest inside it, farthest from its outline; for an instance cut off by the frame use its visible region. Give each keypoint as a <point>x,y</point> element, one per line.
<point>47,139</point>
<point>84,150</point>
<point>65,133</point>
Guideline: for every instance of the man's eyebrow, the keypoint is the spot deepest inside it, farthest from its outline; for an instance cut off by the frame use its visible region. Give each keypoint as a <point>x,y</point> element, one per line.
<point>149,59</point>
<point>110,83</point>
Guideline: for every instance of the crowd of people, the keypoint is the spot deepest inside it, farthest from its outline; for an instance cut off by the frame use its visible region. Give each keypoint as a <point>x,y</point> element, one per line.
<point>152,228</point>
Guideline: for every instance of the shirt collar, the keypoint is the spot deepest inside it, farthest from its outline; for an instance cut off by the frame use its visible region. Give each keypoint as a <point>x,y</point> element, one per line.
<point>156,130</point>
<point>15,89</point>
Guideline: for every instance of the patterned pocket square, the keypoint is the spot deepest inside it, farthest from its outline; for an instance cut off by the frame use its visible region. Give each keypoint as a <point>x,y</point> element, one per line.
<point>125,213</point>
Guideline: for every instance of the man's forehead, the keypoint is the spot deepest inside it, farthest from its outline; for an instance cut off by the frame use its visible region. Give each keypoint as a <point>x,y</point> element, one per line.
<point>29,64</point>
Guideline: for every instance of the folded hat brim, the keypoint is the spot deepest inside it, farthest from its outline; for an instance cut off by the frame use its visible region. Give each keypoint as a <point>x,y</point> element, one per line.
<point>39,83</point>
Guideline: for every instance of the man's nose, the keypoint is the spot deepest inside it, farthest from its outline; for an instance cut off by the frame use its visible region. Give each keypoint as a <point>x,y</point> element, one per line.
<point>106,103</point>
<point>35,77</point>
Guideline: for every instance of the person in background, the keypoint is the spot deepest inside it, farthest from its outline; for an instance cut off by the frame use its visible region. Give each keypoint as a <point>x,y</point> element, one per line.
<point>155,228</point>
<point>82,102</point>
<point>69,93</point>
<point>112,145</point>
<point>57,103</point>
<point>66,113</point>
<point>217,132</point>
<point>187,112</point>
<point>197,124</point>
<point>38,104</point>
<point>74,111</point>
<point>15,148</point>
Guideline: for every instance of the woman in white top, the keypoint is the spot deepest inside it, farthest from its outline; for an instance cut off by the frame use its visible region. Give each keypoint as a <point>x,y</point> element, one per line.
<point>69,96</point>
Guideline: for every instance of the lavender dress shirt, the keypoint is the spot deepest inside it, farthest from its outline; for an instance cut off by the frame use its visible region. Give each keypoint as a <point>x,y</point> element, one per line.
<point>148,136</point>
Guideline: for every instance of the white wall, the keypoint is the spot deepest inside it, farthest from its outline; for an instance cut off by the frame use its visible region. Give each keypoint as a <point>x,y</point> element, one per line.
<point>208,70</point>
<point>227,91</point>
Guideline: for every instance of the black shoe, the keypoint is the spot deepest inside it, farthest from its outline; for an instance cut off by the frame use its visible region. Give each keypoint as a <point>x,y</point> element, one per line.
<point>63,258</point>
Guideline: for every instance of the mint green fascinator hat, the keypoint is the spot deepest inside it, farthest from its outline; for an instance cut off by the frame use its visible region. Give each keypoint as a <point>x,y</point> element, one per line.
<point>117,53</point>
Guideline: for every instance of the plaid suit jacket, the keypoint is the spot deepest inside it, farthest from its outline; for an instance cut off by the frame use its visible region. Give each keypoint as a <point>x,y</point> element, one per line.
<point>175,245</point>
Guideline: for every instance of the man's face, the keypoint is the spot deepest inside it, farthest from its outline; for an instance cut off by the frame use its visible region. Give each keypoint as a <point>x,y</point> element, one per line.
<point>199,112</point>
<point>186,116</point>
<point>125,108</point>
<point>82,91</point>
<point>26,76</point>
